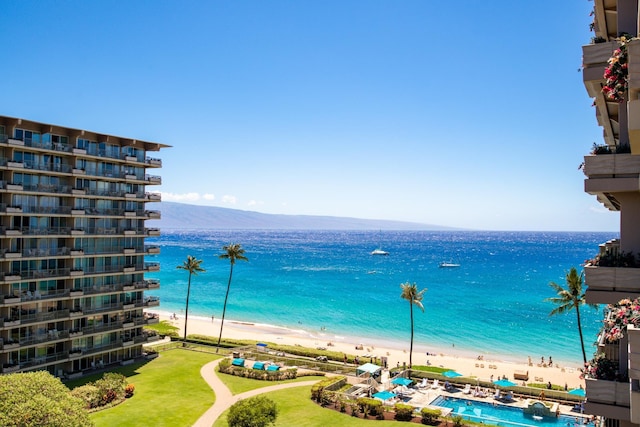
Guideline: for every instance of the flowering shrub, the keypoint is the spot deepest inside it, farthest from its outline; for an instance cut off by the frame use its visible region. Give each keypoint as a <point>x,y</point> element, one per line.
<point>616,73</point>
<point>622,314</point>
<point>128,390</point>
<point>601,368</point>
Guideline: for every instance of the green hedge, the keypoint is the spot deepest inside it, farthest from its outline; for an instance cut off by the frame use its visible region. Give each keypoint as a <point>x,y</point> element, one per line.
<point>226,367</point>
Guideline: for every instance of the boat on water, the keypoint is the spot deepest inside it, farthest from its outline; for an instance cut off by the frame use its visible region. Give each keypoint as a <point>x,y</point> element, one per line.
<point>379,252</point>
<point>448,265</point>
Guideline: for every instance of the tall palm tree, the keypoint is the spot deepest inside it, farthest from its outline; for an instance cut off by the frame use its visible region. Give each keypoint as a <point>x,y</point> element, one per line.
<point>411,293</point>
<point>192,265</point>
<point>232,252</point>
<point>570,298</point>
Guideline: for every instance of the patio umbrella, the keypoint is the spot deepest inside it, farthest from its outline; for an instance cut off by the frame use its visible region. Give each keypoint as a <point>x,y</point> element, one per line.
<point>401,381</point>
<point>504,383</point>
<point>578,392</point>
<point>451,374</point>
<point>384,395</point>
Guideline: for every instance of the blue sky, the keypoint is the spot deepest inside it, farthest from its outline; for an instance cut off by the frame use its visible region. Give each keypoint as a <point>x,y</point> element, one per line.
<point>466,114</point>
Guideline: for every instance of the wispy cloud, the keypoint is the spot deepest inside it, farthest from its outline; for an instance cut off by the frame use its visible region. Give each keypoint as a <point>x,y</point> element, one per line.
<point>255,203</point>
<point>187,197</point>
<point>230,200</point>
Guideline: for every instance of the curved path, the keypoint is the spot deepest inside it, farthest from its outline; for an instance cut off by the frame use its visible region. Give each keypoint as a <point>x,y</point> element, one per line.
<point>224,398</point>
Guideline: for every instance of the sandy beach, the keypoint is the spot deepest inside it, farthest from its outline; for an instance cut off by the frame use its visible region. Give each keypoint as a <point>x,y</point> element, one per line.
<point>485,368</point>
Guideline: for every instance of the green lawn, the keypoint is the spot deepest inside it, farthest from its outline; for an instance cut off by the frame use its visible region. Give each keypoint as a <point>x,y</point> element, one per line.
<point>169,392</point>
<point>295,408</point>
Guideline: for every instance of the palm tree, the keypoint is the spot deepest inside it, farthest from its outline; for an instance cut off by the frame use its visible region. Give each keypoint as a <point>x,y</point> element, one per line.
<point>570,298</point>
<point>192,265</point>
<point>232,252</point>
<point>411,293</point>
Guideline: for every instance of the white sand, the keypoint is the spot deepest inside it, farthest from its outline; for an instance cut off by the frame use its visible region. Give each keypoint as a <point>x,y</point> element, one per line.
<point>461,362</point>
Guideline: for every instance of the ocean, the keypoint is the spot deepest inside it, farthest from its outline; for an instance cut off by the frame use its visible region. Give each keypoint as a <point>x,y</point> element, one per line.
<point>327,284</point>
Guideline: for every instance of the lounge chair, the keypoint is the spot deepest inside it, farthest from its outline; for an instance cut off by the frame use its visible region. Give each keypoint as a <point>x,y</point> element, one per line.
<point>423,384</point>
<point>508,398</point>
<point>436,384</point>
<point>467,389</point>
<point>497,394</point>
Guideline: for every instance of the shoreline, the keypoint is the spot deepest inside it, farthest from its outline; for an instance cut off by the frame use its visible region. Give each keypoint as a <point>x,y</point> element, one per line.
<point>468,363</point>
<point>386,341</point>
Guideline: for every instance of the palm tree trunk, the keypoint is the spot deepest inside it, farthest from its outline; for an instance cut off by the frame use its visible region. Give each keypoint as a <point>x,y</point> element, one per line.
<point>186,313</point>
<point>224,308</point>
<point>584,354</point>
<point>411,345</point>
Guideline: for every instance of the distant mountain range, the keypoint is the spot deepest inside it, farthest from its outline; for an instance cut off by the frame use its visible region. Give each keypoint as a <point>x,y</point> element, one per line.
<point>181,216</point>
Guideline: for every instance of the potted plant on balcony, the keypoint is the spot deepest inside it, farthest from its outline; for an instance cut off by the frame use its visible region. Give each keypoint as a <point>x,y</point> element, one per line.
<point>626,312</point>
<point>617,72</point>
<point>601,368</point>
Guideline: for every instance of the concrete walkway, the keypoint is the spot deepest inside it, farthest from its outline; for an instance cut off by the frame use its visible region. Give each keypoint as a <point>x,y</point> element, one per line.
<point>224,398</point>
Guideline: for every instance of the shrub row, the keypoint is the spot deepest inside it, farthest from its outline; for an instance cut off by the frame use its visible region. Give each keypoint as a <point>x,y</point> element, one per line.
<point>226,367</point>
<point>328,383</point>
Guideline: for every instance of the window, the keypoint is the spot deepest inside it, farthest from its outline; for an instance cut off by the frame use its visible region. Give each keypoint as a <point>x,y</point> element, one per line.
<point>27,136</point>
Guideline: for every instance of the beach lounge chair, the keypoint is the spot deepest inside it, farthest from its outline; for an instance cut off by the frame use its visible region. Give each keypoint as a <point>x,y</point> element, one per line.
<point>423,384</point>
<point>436,384</point>
<point>467,389</point>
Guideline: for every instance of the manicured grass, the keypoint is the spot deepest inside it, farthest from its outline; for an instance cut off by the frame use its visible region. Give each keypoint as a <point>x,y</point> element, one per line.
<point>169,392</point>
<point>239,385</point>
<point>295,408</point>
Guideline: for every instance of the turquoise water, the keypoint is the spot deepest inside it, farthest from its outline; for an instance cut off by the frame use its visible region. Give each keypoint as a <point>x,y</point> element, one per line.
<point>328,284</point>
<point>501,415</point>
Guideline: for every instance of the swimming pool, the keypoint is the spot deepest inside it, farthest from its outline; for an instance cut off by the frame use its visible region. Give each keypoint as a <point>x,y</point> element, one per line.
<point>500,415</point>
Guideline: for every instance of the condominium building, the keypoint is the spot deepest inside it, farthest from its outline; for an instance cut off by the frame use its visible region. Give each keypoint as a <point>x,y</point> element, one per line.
<point>613,175</point>
<point>72,247</point>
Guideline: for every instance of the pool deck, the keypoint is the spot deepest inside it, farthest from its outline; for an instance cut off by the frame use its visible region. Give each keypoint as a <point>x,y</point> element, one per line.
<point>422,398</point>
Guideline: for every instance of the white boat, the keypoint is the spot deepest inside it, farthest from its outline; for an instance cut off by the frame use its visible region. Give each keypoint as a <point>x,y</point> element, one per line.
<point>379,252</point>
<point>448,265</point>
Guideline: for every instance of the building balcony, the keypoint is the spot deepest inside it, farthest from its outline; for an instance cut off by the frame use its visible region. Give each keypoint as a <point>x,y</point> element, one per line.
<point>151,319</point>
<point>9,345</point>
<point>151,301</point>
<point>10,368</point>
<point>153,162</point>
<point>44,316</point>
<point>594,60</point>
<point>12,255</point>
<point>153,179</point>
<point>633,335</point>
<point>608,285</point>
<point>152,232</point>
<point>152,214</point>
<point>611,173</point>
<point>152,283</point>
<point>610,399</point>
<point>9,299</point>
<point>152,249</point>
<point>152,266</point>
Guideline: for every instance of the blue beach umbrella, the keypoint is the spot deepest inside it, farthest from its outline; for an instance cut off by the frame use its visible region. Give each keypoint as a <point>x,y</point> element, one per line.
<point>384,395</point>
<point>504,383</point>
<point>578,392</point>
<point>401,381</point>
<point>451,374</point>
